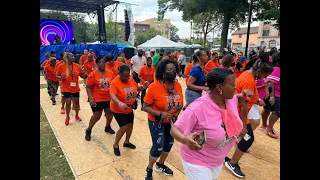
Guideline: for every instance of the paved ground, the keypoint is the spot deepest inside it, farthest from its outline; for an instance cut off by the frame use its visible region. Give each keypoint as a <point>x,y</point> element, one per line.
<point>95,159</point>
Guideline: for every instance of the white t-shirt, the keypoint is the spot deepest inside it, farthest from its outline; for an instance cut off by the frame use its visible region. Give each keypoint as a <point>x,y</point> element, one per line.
<point>137,62</point>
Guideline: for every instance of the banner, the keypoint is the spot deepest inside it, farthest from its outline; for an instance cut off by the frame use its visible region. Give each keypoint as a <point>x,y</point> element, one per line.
<point>131,23</point>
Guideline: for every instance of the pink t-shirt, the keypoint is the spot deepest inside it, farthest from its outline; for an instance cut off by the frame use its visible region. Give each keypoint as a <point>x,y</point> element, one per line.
<point>275,78</point>
<point>262,92</point>
<point>204,114</point>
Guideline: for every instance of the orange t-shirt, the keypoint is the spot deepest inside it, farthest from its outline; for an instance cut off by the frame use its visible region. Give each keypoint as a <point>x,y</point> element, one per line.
<point>83,59</point>
<point>187,70</point>
<point>161,100</point>
<point>114,68</point>
<point>211,65</point>
<point>101,85</point>
<point>126,93</point>
<point>237,73</point>
<point>50,73</point>
<point>57,66</point>
<point>45,63</point>
<point>90,66</point>
<point>247,81</point>
<point>147,73</point>
<point>127,61</point>
<point>70,83</point>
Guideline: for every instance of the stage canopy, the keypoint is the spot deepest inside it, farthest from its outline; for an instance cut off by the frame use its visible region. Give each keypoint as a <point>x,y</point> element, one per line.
<point>80,6</point>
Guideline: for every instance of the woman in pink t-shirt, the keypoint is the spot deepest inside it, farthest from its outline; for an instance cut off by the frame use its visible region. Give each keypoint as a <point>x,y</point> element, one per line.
<point>273,101</point>
<point>215,113</point>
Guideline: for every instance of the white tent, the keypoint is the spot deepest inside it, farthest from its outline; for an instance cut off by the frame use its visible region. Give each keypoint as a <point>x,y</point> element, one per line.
<point>160,42</point>
<point>195,46</point>
<point>182,44</point>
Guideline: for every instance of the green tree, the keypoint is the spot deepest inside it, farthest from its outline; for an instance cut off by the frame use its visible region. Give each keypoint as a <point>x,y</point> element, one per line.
<point>268,10</point>
<point>187,41</point>
<point>206,23</point>
<point>80,28</point>
<point>110,28</point>
<point>173,31</point>
<point>151,33</point>
<point>233,11</point>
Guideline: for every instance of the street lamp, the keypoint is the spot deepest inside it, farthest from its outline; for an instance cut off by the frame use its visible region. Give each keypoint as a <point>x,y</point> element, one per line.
<point>248,30</point>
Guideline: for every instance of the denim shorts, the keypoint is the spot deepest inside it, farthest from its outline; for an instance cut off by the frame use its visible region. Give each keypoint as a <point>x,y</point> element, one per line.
<point>162,140</point>
<point>192,95</point>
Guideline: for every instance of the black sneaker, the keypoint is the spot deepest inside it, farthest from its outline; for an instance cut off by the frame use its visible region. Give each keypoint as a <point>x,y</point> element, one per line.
<point>164,169</point>
<point>116,151</point>
<point>148,174</point>
<point>109,130</point>
<point>88,135</point>
<point>235,169</point>
<point>227,158</point>
<point>129,145</point>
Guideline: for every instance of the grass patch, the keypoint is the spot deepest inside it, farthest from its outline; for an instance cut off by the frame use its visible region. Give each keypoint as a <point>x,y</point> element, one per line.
<point>53,164</point>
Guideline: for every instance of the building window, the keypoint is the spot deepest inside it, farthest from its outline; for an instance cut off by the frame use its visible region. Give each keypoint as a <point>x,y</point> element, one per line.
<point>272,43</point>
<point>262,43</point>
<point>265,32</point>
<point>158,25</point>
<point>143,29</point>
<point>240,35</point>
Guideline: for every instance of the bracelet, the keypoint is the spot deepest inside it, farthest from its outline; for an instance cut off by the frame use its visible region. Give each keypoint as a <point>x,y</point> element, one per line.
<point>272,97</point>
<point>90,98</point>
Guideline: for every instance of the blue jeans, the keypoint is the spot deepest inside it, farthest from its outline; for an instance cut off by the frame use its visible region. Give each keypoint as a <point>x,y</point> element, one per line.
<point>162,140</point>
<point>192,95</point>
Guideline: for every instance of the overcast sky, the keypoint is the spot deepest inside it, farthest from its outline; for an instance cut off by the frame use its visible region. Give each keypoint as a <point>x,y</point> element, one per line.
<point>148,9</point>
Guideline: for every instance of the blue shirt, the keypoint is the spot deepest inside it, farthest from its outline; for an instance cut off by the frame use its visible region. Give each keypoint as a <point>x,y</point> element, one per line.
<point>198,74</point>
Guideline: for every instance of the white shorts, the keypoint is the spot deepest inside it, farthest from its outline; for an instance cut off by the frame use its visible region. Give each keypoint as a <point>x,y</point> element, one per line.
<point>254,113</point>
<point>196,172</point>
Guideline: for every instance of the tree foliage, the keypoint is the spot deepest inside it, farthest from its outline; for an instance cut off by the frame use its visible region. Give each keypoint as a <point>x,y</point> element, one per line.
<point>206,23</point>
<point>232,12</point>
<point>142,38</point>
<point>268,10</point>
<point>174,33</point>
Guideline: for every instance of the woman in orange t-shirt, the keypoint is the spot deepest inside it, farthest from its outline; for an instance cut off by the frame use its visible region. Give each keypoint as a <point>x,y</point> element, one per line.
<point>52,80</point>
<point>63,101</point>
<point>111,64</point>
<point>84,57</point>
<point>89,66</point>
<point>98,90</point>
<point>247,80</point>
<point>163,103</point>
<point>146,73</point>
<point>68,73</point>
<point>123,92</point>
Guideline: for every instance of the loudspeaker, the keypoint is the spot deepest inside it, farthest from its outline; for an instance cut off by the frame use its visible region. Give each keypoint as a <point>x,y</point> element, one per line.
<point>126,25</point>
<point>128,52</point>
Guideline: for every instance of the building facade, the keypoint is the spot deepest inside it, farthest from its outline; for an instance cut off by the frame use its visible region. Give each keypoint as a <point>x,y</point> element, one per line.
<point>139,28</point>
<point>163,26</point>
<point>268,35</point>
<point>239,37</point>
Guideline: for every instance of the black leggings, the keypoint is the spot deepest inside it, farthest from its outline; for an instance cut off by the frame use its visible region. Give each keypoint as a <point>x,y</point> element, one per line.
<point>244,145</point>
